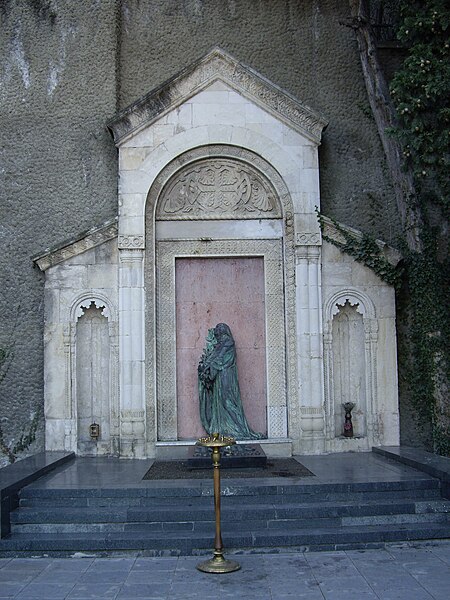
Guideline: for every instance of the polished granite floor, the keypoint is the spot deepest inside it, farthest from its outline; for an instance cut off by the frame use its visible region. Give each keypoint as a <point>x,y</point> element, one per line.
<point>397,572</point>
<point>333,468</point>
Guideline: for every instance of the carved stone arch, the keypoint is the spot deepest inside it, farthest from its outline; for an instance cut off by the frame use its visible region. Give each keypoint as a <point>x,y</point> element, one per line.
<point>345,301</point>
<point>364,305</point>
<point>256,170</point>
<point>79,305</point>
<point>84,300</point>
<point>228,152</point>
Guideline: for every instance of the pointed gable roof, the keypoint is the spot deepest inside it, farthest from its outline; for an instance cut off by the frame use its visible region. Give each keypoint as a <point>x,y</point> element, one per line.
<point>74,247</point>
<point>216,65</point>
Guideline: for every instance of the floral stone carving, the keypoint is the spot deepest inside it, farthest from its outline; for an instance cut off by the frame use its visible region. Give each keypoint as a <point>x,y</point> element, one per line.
<point>218,188</point>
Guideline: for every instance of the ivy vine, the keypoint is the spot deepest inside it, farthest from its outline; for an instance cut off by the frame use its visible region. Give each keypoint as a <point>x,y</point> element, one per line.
<point>364,249</point>
<point>420,91</point>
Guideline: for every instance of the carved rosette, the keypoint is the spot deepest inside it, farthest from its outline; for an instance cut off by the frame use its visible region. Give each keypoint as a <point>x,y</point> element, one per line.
<point>308,239</point>
<point>133,242</point>
<point>218,188</point>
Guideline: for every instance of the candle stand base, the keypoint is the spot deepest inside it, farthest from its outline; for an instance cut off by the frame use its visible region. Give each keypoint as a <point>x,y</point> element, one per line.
<point>218,564</point>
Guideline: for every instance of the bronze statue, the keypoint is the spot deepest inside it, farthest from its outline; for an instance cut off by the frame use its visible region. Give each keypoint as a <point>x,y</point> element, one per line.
<point>221,408</point>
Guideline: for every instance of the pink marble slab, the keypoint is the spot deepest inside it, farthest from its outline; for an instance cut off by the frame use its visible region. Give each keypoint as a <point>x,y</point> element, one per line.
<point>220,290</point>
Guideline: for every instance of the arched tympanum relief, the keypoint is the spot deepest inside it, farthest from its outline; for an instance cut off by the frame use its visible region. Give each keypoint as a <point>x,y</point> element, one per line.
<point>220,187</point>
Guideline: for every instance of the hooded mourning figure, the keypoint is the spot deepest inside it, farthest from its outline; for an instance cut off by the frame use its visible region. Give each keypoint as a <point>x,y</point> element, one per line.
<point>221,408</point>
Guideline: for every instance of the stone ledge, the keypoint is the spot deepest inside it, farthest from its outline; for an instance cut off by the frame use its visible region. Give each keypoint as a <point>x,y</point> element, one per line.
<point>335,232</point>
<point>432,464</point>
<point>16,476</point>
<point>85,241</point>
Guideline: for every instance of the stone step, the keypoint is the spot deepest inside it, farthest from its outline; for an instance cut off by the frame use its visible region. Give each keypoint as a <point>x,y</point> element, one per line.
<point>232,526</point>
<point>197,519</point>
<point>263,511</point>
<point>179,518</point>
<point>107,501</point>
<point>232,492</point>
<point>186,543</point>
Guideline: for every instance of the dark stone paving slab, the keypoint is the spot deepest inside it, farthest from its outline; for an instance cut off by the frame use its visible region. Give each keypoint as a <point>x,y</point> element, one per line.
<point>434,464</point>
<point>43,589</point>
<point>397,572</point>
<point>10,590</point>
<point>83,591</point>
<point>106,474</point>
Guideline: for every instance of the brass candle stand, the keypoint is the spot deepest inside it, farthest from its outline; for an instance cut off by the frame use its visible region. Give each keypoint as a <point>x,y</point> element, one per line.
<point>217,564</point>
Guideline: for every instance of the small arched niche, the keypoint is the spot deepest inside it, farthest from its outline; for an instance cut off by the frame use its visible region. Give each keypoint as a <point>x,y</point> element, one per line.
<point>349,368</point>
<point>350,345</point>
<point>92,377</point>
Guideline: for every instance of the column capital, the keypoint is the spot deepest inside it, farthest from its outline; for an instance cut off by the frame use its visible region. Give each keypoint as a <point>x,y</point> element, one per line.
<point>308,253</point>
<point>128,255</point>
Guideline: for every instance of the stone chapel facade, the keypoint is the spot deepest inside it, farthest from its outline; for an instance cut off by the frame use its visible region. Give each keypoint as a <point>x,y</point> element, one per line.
<point>217,221</point>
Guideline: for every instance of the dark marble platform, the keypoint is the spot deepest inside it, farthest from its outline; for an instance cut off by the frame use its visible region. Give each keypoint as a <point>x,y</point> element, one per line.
<point>104,506</point>
<point>21,473</point>
<point>239,456</point>
<point>433,464</point>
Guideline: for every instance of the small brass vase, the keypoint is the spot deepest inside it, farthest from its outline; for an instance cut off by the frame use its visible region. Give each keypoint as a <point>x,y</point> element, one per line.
<point>218,563</point>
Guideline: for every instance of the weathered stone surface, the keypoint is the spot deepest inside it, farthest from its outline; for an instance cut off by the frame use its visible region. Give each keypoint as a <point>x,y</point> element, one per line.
<point>67,68</point>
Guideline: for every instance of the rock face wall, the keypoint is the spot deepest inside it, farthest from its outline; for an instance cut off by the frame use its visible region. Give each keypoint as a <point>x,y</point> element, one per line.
<point>57,168</point>
<point>67,67</point>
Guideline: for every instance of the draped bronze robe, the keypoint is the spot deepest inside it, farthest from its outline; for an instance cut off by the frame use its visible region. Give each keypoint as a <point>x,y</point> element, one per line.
<point>221,408</point>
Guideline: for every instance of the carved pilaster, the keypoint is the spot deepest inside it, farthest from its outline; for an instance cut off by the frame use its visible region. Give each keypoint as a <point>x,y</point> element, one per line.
<point>131,351</point>
<point>328,380</point>
<point>309,347</point>
<point>371,341</point>
<point>114,385</point>
<point>67,342</point>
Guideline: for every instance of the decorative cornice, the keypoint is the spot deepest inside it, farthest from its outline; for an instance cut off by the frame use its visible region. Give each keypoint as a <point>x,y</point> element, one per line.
<point>217,64</point>
<point>331,230</point>
<point>86,241</point>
